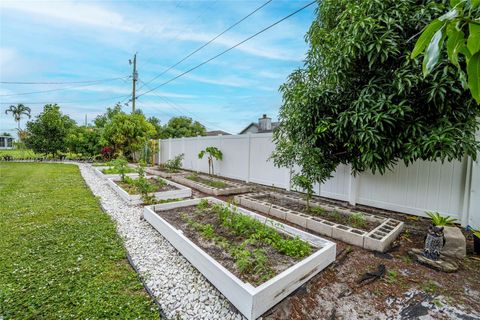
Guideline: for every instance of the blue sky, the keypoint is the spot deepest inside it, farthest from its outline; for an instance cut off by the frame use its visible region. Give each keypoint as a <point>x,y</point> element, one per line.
<point>58,41</point>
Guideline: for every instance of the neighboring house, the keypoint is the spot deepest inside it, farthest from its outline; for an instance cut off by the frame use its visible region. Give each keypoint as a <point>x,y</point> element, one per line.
<point>6,142</point>
<point>264,124</point>
<point>217,132</point>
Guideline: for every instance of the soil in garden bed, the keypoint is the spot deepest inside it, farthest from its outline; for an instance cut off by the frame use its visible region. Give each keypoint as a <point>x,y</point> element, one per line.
<point>191,219</point>
<point>212,182</point>
<point>354,221</point>
<point>131,189</point>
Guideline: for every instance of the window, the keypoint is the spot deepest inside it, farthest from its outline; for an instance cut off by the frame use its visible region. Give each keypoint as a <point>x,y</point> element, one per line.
<point>9,142</point>
<point>2,142</point>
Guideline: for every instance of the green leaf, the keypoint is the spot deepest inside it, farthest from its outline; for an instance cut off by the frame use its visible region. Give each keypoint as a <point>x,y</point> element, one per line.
<point>473,41</point>
<point>426,36</point>
<point>450,15</point>
<point>455,42</point>
<point>433,51</point>
<point>453,3</point>
<point>473,71</point>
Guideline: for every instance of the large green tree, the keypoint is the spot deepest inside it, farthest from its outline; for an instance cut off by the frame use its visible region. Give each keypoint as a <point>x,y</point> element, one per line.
<point>457,31</point>
<point>102,120</point>
<point>48,132</point>
<point>178,127</point>
<point>127,133</point>
<point>84,140</point>
<point>361,99</point>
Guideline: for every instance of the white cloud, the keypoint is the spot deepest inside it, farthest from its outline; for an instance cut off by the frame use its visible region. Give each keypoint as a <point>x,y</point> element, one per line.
<point>72,12</point>
<point>96,16</point>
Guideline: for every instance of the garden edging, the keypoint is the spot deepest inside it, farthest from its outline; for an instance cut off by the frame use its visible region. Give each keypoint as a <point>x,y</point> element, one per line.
<point>236,188</point>
<point>378,239</point>
<point>181,192</point>
<point>251,301</point>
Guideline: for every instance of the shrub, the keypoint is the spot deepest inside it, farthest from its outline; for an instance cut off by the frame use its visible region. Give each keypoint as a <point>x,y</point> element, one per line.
<point>173,165</point>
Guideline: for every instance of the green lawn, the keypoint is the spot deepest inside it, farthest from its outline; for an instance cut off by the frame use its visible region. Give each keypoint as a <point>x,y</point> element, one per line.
<point>60,256</point>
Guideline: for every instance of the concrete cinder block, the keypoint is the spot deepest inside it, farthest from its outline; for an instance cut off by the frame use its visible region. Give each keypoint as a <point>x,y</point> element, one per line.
<point>319,226</point>
<point>380,238</point>
<point>344,234</point>
<point>297,218</point>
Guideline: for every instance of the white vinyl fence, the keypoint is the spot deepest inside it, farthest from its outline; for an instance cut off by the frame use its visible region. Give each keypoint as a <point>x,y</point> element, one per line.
<point>450,188</point>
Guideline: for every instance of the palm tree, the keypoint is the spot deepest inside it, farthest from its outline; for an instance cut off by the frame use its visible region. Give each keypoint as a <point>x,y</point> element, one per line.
<point>18,111</point>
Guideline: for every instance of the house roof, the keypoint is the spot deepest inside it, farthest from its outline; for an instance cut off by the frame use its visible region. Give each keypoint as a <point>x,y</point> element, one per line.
<point>255,125</point>
<point>217,132</point>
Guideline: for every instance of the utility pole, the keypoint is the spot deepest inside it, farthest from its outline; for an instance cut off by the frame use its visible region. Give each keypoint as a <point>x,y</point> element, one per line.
<point>134,80</point>
<point>86,120</point>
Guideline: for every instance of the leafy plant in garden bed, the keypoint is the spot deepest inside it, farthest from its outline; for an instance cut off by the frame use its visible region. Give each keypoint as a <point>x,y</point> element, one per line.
<point>144,185</point>
<point>355,220</point>
<point>120,166</point>
<point>213,153</point>
<point>256,251</point>
<point>210,182</point>
<point>439,220</point>
<point>172,165</point>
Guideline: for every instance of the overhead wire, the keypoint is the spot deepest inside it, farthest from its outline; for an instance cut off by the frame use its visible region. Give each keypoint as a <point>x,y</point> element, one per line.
<point>227,50</point>
<point>183,110</point>
<point>196,19</point>
<point>62,82</point>
<point>57,89</point>
<point>65,102</point>
<point>209,42</point>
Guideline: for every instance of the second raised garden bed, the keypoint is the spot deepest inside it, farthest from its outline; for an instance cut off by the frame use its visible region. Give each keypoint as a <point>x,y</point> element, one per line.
<point>211,185</point>
<point>254,261</point>
<point>109,172</point>
<point>164,173</point>
<point>359,229</point>
<point>167,190</point>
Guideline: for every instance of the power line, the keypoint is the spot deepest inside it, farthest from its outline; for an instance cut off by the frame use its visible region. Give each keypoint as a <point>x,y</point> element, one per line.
<point>181,109</point>
<point>63,82</point>
<point>64,102</point>
<point>227,50</point>
<point>52,90</point>
<point>197,19</point>
<point>209,41</point>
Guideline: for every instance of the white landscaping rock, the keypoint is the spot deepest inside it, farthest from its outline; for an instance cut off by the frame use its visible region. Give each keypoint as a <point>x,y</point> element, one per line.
<point>179,288</point>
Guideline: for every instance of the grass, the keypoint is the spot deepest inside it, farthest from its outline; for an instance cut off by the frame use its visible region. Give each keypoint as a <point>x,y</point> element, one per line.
<point>60,256</point>
<point>430,287</point>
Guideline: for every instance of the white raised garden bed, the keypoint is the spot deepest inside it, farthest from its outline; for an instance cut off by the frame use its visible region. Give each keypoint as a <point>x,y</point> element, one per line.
<point>231,188</point>
<point>251,301</point>
<point>163,174</point>
<point>98,171</point>
<point>378,239</point>
<point>180,192</point>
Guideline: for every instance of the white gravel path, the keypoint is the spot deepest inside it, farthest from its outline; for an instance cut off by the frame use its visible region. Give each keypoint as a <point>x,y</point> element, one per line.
<point>181,290</point>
